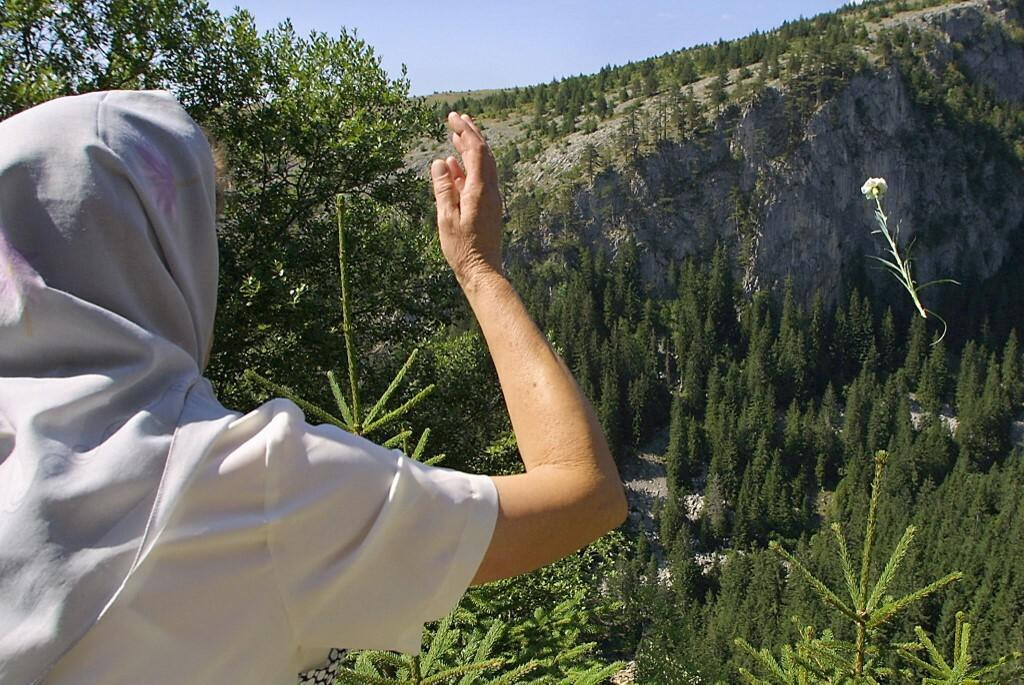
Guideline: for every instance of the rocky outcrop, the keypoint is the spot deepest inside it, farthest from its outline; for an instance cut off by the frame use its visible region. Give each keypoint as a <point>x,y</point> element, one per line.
<point>787,198</point>
<point>987,52</point>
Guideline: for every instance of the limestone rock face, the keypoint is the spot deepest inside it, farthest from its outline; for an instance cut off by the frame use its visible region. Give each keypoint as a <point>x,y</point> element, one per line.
<point>787,201</point>
<point>988,55</point>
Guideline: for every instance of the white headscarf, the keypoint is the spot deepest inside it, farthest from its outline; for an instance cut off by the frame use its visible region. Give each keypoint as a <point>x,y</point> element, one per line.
<point>108,278</point>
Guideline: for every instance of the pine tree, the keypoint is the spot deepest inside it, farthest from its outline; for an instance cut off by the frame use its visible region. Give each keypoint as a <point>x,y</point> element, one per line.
<point>825,443</point>
<point>715,512</point>
<point>968,382</point>
<point>676,457</point>
<point>934,379</point>
<point>791,349</point>
<point>1011,373</point>
<point>683,569</point>
<point>917,349</point>
<point>983,428</point>
<point>717,89</point>
<point>609,411</point>
<point>888,345</point>
<point>818,343</point>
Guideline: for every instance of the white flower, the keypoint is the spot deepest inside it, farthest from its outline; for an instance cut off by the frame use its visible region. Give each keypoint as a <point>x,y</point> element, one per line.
<point>874,188</point>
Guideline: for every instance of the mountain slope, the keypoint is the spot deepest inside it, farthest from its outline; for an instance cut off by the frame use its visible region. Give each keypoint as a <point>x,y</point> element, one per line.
<point>767,155</point>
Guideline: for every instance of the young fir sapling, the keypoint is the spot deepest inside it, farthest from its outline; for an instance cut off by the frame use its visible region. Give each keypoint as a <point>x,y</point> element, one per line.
<point>460,649</point>
<point>872,658</point>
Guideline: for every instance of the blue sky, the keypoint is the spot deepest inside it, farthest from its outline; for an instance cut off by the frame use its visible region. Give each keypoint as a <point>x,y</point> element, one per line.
<point>461,46</point>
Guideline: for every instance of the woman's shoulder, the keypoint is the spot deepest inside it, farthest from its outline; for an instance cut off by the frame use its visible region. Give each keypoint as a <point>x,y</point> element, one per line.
<point>279,426</point>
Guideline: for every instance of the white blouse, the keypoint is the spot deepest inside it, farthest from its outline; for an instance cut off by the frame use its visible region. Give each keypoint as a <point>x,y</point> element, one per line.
<point>291,540</point>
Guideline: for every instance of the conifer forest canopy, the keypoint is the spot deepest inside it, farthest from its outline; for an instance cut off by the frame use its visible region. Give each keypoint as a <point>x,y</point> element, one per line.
<point>690,233</point>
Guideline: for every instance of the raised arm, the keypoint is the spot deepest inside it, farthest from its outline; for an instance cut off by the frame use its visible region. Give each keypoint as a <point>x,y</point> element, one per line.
<point>571,493</point>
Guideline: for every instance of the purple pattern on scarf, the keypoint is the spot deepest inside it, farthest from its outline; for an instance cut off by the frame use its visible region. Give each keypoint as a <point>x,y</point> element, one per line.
<point>161,178</point>
<point>17,277</point>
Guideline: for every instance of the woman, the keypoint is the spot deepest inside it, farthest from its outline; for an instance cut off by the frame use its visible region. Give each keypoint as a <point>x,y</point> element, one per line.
<point>148,534</point>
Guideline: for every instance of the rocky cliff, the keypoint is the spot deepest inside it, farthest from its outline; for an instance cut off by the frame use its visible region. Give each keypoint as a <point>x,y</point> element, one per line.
<point>776,175</point>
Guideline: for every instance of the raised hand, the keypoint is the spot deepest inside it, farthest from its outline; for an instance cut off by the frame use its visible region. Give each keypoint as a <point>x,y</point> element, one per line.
<point>468,203</point>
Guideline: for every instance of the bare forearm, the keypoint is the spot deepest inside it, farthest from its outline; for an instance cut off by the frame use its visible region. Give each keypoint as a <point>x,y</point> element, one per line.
<point>571,493</point>
<point>553,422</point>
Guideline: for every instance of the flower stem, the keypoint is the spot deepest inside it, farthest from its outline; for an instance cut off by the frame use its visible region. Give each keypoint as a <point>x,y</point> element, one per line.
<point>908,281</point>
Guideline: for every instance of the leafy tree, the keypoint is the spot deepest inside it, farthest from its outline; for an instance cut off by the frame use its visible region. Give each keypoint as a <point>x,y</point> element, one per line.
<point>54,49</point>
<point>312,117</point>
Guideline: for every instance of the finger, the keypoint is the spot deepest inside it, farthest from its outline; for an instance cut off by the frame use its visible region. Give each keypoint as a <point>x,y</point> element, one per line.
<point>463,126</point>
<point>456,123</point>
<point>476,155</point>
<point>445,192</point>
<point>472,124</point>
<point>457,174</point>
<point>477,159</point>
<point>458,142</point>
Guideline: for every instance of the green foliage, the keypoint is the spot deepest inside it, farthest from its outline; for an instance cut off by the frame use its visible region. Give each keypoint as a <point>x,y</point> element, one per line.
<point>311,118</point>
<point>768,405</point>
<point>959,672</point>
<point>351,415</point>
<point>869,658</point>
<point>452,657</point>
<point>52,49</point>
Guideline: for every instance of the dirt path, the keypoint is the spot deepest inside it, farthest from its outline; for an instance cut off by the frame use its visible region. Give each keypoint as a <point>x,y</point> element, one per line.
<point>643,474</point>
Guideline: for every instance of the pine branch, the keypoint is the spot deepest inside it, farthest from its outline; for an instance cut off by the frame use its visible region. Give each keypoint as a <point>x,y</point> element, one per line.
<point>921,664</point>
<point>346,316</point>
<point>518,672</point>
<point>457,671</point>
<point>826,595</point>
<point>844,560</point>
<point>750,679</point>
<point>347,675</point>
<point>881,456</point>
<point>395,382</point>
<point>339,399</point>
<point>444,637</point>
<point>889,572</point>
<point>1002,663</point>
<point>597,674</point>
<point>486,645</point>
<point>388,658</point>
<point>880,616</point>
<point>284,391</point>
<point>962,655</point>
<point>396,413</point>
<point>765,659</point>
<point>421,445</point>
<point>396,440</point>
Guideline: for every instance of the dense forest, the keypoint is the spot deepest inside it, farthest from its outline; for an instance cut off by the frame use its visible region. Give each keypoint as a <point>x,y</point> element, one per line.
<point>764,400</point>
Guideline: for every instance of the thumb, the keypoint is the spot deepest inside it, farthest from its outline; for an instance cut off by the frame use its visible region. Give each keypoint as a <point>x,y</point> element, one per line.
<point>445,193</point>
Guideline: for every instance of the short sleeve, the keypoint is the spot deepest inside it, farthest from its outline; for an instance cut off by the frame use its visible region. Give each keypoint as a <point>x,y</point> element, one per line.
<point>368,545</point>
